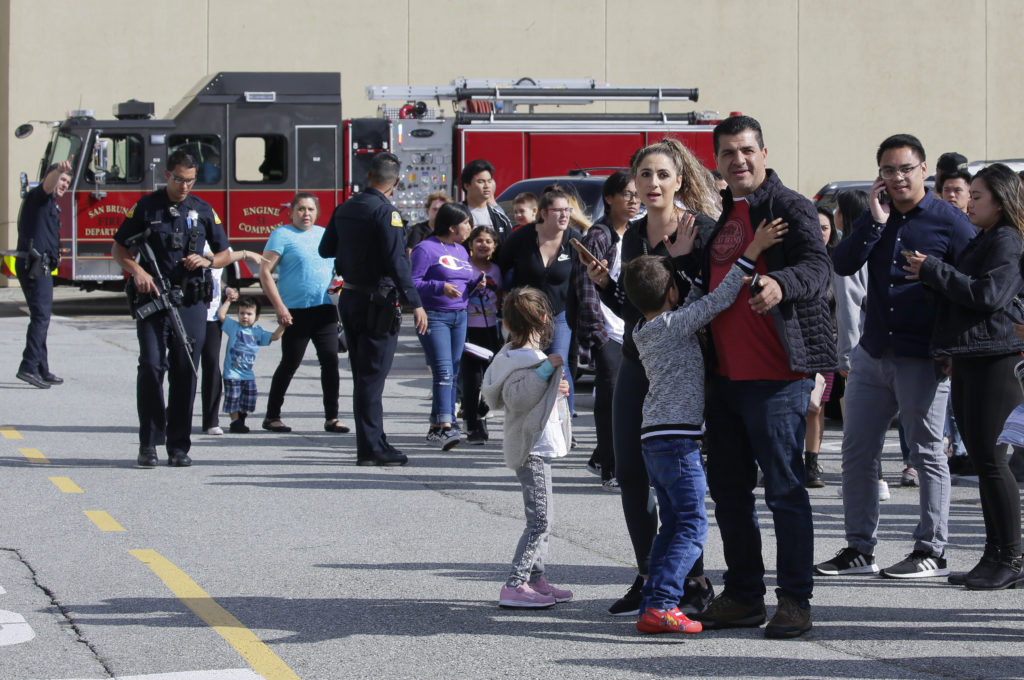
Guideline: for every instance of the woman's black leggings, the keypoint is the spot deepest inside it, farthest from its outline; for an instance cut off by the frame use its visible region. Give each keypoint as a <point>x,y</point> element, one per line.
<point>472,371</point>
<point>638,504</point>
<point>319,324</point>
<point>984,392</point>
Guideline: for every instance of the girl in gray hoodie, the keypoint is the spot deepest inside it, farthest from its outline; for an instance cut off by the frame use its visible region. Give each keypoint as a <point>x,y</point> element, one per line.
<point>530,388</point>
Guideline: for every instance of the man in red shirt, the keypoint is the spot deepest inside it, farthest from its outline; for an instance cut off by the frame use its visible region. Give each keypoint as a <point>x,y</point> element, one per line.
<point>767,344</point>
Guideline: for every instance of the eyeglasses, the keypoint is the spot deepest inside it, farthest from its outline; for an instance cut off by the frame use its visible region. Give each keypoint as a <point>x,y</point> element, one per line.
<point>889,172</point>
<point>183,180</point>
<point>560,211</point>
<point>630,195</point>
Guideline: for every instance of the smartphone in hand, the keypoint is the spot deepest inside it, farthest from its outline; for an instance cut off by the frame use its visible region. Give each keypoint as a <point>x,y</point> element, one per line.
<point>585,255</point>
<point>755,285</point>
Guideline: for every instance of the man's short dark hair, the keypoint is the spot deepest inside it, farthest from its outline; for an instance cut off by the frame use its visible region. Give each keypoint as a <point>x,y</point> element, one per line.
<point>734,125</point>
<point>940,180</point>
<point>385,169</point>
<point>950,162</point>
<point>899,142</point>
<point>181,159</point>
<point>647,279</point>
<point>474,168</point>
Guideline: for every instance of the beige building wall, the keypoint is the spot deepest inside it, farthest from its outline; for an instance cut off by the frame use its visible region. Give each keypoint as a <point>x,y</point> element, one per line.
<point>829,79</point>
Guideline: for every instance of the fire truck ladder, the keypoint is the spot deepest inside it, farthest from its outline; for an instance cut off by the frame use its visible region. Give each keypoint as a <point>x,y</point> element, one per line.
<point>506,95</point>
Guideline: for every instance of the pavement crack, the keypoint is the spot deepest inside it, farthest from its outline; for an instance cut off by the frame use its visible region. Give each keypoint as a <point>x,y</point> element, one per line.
<point>79,634</point>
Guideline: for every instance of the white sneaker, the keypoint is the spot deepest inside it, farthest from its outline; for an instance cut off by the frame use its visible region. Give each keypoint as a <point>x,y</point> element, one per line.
<point>213,431</point>
<point>611,485</point>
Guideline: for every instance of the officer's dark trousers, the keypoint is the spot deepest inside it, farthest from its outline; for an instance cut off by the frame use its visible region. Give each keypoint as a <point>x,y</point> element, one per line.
<point>370,357</point>
<point>160,353</point>
<point>39,297</point>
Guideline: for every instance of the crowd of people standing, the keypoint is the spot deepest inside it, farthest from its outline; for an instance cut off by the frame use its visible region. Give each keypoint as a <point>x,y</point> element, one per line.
<point>911,296</point>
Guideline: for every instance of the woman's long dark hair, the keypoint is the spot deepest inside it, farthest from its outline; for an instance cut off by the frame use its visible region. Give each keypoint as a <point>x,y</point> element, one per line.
<point>449,215</point>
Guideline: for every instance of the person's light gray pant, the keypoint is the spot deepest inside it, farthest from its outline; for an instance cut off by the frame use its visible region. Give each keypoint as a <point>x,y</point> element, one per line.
<point>532,551</point>
<point>876,390</point>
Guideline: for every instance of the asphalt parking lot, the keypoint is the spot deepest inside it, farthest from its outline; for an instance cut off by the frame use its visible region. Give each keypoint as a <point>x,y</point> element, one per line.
<point>275,556</point>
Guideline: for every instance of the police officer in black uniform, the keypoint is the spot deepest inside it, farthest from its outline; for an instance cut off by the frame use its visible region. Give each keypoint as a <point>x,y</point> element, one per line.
<point>179,226</point>
<point>366,237</point>
<point>38,254</point>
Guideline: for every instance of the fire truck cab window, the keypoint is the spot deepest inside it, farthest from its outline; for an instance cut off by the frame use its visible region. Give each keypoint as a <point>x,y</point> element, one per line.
<point>261,158</point>
<point>205,149</point>
<point>64,147</point>
<point>125,161</point>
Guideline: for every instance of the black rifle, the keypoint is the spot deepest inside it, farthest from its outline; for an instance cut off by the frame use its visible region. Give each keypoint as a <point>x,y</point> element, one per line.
<point>166,298</point>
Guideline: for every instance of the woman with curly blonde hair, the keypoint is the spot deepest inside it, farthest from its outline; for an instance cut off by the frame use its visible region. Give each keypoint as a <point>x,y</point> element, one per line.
<point>679,194</point>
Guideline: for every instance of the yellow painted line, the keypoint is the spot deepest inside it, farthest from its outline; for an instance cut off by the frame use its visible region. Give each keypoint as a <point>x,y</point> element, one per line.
<point>66,485</point>
<point>34,455</point>
<point>245,642</point>
<point>9,432</point>
<point>103,520</point>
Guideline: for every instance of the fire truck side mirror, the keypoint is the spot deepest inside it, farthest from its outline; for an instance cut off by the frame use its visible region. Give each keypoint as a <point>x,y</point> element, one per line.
<point>99,154</point>
<point>23,130</point>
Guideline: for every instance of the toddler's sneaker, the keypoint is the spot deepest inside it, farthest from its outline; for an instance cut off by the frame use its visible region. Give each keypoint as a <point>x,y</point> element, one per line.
<point>524,597</point>
<point>667,621</point>
<point>545,588</point>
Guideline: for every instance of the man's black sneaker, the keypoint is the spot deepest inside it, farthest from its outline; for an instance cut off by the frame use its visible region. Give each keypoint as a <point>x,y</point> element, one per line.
<point>918,564</point>
<point>725,612</point>
<point>147,457</point>
<point>629,604</point>
<point>848,561</point>
<point>790,620</point>
<point>696,598</point>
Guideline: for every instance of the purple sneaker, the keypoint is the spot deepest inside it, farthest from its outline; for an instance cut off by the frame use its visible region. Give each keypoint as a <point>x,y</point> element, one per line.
<point>545,588</point>
<point>523,596</point>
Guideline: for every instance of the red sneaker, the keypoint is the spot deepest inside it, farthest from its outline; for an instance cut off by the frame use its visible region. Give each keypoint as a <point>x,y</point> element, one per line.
<point>667,621</point>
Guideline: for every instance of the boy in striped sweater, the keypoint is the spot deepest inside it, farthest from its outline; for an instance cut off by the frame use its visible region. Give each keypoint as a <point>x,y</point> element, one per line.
<point>673,417</point>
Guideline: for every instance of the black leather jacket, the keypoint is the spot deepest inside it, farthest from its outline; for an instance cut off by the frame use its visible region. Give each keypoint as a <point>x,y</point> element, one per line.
<point>975,314</point>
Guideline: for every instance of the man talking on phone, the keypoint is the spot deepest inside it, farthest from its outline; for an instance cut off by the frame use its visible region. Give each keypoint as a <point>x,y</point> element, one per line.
<point>891,370</point>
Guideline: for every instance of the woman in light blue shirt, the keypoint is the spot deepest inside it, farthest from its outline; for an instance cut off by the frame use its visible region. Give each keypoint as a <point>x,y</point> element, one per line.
<point>299,297</point>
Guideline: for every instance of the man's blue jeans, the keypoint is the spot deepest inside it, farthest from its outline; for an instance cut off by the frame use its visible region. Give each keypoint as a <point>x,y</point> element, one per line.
<point>443,343</point>
<point>677,475</point>
<point>751,424</point>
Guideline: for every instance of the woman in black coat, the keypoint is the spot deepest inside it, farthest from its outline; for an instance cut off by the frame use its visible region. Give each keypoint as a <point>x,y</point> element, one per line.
<point>974,325</point>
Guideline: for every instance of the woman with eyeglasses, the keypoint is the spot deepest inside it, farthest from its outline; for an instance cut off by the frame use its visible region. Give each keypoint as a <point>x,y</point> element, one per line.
<point>598,328</point>
<point>678,193</point>
<point>539,255</point>
<point>974,323</point>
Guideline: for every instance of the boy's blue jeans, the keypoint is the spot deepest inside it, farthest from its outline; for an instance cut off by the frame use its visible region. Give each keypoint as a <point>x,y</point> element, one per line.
<point>673,465</point>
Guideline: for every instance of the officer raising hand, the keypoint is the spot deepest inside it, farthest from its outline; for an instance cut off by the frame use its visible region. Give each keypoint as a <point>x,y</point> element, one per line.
<point>366,236</point>
<point>177,227</point>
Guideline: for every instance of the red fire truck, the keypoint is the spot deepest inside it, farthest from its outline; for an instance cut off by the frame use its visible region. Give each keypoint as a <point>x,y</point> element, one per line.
<point>260,137</point>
